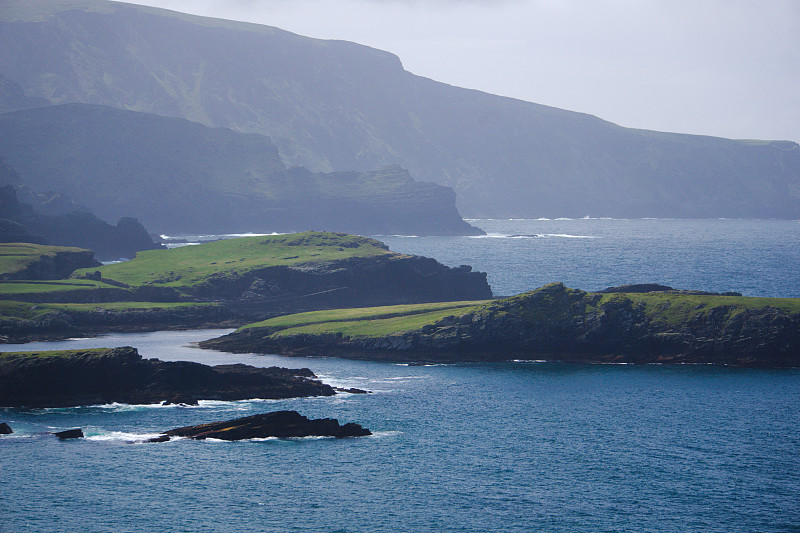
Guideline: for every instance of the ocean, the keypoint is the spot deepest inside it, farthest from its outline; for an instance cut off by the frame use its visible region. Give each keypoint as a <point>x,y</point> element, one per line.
<point>527,446</point>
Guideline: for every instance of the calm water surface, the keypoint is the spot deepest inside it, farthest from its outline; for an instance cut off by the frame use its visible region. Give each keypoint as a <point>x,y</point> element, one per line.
<point>504,447</point>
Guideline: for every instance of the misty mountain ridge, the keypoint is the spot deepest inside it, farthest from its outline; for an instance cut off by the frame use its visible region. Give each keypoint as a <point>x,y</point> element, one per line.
<point>182,177</point>
<point>335,106</point>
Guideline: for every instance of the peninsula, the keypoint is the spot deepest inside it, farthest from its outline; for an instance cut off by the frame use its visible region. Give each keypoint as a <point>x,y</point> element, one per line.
<point>552,323</point>
<point>218,284</point>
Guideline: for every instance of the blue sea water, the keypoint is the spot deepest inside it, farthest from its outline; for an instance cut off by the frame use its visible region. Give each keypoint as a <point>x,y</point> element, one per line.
<point>754,257</point>
<point>524,446</point>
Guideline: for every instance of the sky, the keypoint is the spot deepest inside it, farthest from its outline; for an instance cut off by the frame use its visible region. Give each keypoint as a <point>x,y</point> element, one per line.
<point>728,68</point>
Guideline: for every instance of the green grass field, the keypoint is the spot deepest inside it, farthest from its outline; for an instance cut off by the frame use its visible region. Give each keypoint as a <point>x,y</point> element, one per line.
<point>27,310</point>
<point>678,308</point>
<point>672,309</point>
<point>8,356</point>
<point>365,321</point>
<point>190,265</point>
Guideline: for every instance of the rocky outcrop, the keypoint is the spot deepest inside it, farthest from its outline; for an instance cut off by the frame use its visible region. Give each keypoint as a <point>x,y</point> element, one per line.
<point>5,429</point>
<point>561,324</point>
<point>281,424</point>
<point>76,433</point>
<point>89,377</point>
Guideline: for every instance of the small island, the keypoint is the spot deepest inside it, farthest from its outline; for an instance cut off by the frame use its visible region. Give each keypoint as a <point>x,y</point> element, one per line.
<point>552,323</point>
<point>74,378</point>
<point>279,424</point>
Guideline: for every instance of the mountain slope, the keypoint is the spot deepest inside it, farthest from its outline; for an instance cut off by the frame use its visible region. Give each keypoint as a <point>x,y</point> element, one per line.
<point>333,105</point>
<point>179,176</point>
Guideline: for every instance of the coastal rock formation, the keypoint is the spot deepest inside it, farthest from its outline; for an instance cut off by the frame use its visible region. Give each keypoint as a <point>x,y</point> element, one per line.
<point>5,429</point>
<point>561,324</point>
<point>89,377</point>
<point>282,424</point>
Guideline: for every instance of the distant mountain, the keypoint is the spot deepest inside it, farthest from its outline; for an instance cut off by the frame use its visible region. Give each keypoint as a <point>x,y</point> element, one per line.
<point>57,224</point>
<point>181,177</point>
<point>339,106</point>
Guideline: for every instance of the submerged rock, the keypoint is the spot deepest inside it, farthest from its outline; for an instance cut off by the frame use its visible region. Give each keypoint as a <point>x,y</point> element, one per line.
<point>282,424</point>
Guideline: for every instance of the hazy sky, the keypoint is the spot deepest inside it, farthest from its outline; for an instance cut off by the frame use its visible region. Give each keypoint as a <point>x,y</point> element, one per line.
<point>729,68</point>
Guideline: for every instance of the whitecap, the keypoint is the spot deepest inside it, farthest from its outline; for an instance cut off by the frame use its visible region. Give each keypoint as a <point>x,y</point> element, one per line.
<point>121,436</point>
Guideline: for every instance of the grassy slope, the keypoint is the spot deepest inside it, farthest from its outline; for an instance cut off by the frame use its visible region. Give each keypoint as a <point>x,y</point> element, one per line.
<point>678,308</point>
<point>380,321</point>
<point>190,265</point>
<point>365,321</point>
<point>17,256</point>
<point>66,354</point>
<point>27,310</point>
<point>8,289</point>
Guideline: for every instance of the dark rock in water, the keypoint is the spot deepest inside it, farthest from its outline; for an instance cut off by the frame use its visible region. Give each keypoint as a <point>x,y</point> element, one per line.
<point>637,288</point>
<point>352,390</point>
<point>282,424</point>
<point>5,429</point>
<point>89,377</point>
<point>654,287</point>
<point>76,433</point>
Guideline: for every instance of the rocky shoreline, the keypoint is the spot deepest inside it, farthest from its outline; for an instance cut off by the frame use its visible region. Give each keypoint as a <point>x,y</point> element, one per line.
<point>91,377</point>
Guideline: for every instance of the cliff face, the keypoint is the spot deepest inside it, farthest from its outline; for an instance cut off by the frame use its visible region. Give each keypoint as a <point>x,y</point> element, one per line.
<point>561,324</point>
<point>338,106</point>
<point>65,379</point>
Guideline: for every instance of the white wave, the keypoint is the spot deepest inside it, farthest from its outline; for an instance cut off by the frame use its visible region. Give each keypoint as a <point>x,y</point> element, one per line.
<point>122,436</point>
<point>569,236</point>
<point>532,236</point>
<point>526,361</point>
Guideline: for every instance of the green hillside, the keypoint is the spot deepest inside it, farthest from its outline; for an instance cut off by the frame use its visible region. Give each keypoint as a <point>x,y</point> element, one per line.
<point>191,265</point>
<point>339,106</point>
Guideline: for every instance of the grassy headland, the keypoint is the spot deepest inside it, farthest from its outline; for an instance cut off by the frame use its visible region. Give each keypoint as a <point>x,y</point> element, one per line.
<point>191,265</point>
<point>553,322</point>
